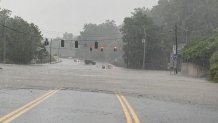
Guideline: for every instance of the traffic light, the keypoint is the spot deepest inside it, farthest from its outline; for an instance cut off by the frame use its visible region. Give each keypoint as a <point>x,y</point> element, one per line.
<point>62,43</point>
<point>46,43</point>
<point>90,49</point>
<point>115,49</point>
<point>76,44</point>
<point>102,49</point>
<point>96,45</point>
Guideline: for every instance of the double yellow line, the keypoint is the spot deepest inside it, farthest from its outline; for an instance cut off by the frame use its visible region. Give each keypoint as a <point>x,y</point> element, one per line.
<point>18,112</point>
<point>130,114</point>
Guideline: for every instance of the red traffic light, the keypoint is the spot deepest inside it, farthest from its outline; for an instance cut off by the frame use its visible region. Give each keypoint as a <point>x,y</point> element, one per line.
<point>102,49</point>
<point>115,49</point>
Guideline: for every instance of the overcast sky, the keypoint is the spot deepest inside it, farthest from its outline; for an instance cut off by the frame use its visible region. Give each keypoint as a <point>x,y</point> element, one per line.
<point>57,16</point>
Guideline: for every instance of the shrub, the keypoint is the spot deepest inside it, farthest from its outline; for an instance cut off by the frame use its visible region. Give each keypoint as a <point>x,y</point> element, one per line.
<point>213,73</point>
<point>214,58</point>
<point>199,51</point>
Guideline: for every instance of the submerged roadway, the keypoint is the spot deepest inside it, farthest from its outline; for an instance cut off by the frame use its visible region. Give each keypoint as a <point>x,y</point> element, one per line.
<point>70,92</point>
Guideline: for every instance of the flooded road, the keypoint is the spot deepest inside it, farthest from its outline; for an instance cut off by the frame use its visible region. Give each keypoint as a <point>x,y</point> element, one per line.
<point>73,92</point>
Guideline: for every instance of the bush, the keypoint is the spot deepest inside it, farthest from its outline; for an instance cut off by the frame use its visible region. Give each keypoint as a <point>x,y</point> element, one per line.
<point>199,51</point>
<point>214,58</point>
<point>213,73</point>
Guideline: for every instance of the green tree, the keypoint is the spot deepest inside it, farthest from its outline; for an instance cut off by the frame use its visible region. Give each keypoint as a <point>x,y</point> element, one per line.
<point>195,18</point>
<point>22,38</point>
<point>136,28</point>
<point>199,51</point>
<point>4,15</point>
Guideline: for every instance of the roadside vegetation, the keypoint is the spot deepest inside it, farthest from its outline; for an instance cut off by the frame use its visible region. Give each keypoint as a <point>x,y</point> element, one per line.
<point>204,52</point>
<point>20,41</point>
<point>195,22</point>
<point>195,19</point>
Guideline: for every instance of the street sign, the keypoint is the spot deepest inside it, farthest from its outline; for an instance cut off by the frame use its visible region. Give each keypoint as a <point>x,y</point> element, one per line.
<point>143,40</point>
<point>174,57</point>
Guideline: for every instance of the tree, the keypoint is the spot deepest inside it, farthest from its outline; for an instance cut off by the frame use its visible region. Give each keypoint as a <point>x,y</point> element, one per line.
<point>22,38</point>
<point>136,28</point>
<point>195,18</point>
<point>4,15</point>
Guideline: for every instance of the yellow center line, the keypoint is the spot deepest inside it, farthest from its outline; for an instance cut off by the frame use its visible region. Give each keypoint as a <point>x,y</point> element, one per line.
<point>13,115</point>
<point>135,117</point>
<point>125,110</point>
<point>19,109</point>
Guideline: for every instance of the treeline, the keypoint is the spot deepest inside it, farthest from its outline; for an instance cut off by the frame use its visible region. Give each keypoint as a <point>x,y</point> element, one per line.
<point>20,41</point>
<point>193,18</point>
<point>134,30</point>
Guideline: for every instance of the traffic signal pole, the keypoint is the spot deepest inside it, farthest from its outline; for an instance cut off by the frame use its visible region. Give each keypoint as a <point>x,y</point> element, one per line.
<point>176,38</point>
<point>143,67</point>
<point>128,55</point>
<point>50,50</point>
<point>144,42</point>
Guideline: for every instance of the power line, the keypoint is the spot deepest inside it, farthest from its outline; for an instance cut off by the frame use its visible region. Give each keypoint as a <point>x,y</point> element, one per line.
<point>109,39</point>
<point>82,33</point>
<point>86,36</point>
<point>100,34</point>
<point>19,31</point>
<point>198,30</point>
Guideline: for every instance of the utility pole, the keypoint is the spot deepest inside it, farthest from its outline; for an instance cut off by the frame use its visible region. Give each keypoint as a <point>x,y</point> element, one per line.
<point>50,50</point>
<point>59,45</point>
<point>176,38</point>
<point>4,41</point>
<point>186,35</point>
<point>127,65</point>
<point>144,42</point>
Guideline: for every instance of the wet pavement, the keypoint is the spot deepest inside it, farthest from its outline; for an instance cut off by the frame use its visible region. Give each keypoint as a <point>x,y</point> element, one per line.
<point>88,95</point>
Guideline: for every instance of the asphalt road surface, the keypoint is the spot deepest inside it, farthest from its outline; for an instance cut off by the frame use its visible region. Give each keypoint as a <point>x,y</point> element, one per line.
<point>70,92</point>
